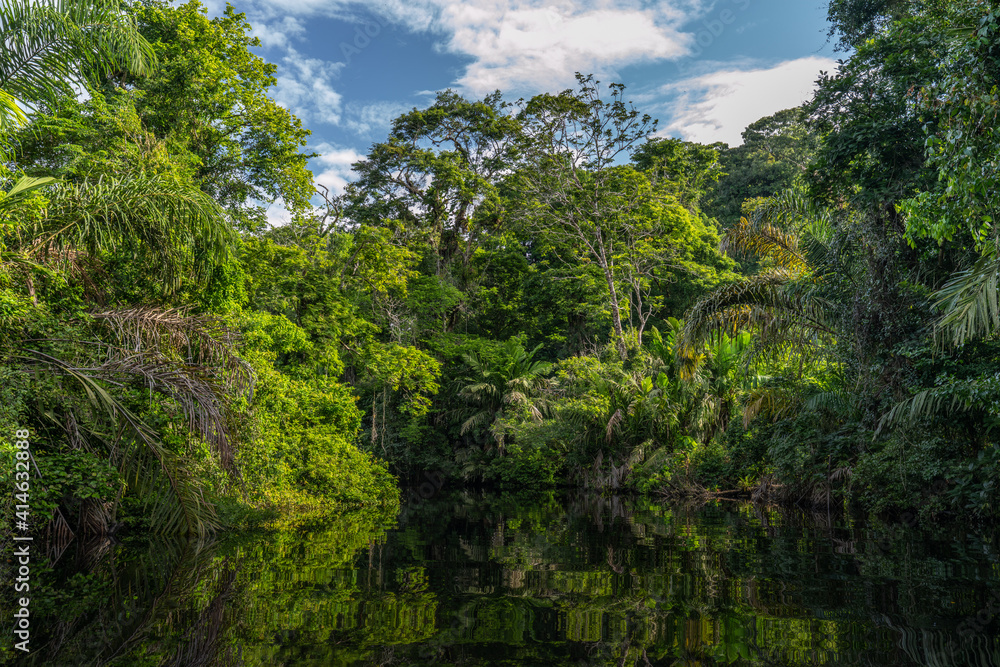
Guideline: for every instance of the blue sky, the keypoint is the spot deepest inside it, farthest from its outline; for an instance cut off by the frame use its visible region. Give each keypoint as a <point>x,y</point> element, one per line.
<point>704,68</point>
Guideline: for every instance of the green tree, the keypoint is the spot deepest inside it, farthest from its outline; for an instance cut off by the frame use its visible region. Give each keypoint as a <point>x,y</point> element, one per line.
<point>962,150</point>
<point>684,169</point>
<point>437,177</point>
<point>775,151</point>
<point>208,100</point>
<point>857,21</point>
<point>183,235</point>
<point>572,187</point>
<point>46,47</point>
<point>512,381</point>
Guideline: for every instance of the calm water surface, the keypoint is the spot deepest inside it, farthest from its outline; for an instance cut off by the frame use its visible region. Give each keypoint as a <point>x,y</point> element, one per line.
<point>474,579</point>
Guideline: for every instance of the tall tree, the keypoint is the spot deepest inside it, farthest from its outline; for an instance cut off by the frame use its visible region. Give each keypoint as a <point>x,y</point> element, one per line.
<point>775,151</point>
<point>572,184</point>
<point>208,99</point>
<point>685,169</point>
<point>437,175</point>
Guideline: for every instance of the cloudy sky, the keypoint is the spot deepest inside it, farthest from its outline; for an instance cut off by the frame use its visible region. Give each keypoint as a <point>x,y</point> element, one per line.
<point>704,68</point>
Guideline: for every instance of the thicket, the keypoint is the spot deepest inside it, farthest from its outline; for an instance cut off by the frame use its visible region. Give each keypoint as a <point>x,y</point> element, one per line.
<point>177,365</point>
<point>809,316</point>
<point>522,294</point>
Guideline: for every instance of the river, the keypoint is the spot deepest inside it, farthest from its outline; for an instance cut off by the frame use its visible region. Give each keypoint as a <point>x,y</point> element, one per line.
<point>466,578</point>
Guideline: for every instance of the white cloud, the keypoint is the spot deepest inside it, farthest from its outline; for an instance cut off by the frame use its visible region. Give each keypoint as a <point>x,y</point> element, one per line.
<point>279,33</point>
<point>333,166</point>
<point>277,215</point>
<point>305,88</point>
<point>214,7</point>
<point>539,46</point>
<point>368,120</point>
<point>718,106</point>
<point>518,45</point>
<point>417,15</point>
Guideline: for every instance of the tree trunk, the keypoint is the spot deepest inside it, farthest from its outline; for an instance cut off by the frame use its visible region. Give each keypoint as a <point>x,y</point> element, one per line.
<point>616,315</point>
<point>31,290</point>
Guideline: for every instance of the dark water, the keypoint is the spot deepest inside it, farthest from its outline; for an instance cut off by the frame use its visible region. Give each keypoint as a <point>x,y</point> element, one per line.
<point>468,579</point>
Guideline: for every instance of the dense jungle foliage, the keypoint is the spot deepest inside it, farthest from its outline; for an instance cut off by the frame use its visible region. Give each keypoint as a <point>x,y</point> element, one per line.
<point>519,294</point>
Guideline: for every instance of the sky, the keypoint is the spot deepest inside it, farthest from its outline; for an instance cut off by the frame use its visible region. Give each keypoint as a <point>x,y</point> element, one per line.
<point>705,68</point>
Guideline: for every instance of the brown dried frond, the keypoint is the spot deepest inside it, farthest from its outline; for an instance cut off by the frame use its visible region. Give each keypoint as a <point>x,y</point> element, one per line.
<point>95,517</point>
<point>195,388</point>
<point>58,536</point>
<point>613,422</point>
<point>201,340</point>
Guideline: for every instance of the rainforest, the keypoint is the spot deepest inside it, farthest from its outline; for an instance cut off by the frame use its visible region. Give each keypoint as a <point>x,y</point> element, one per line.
<point>521,319</point>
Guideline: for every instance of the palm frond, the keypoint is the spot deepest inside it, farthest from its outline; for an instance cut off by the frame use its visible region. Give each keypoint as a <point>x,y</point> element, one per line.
<point>48,45</point>
<point>970,304</point>
<point>761,239</point>
<point>11,117</point>
<point>613,422</point>
<point>957,395</point>
<point>202,340</point>
<point>177,230</point>
<point>24,186</point>
<point>791,207</point>
<point>476,420</point>
<point>201,398</point>
<point>762,302</point>
<point>924,404</point>
<point>769,402</point>
<point>517,398</point>
<point>143,459</point>
<point>838,402</point>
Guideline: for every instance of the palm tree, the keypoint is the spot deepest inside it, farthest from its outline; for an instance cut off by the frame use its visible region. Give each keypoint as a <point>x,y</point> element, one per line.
<point>179,234</point>
<point>699,400</point>
<point>47,46</point>
<point>782,305</point>
<point>176,231</point>
<point>188,360</point>
<point>512,381</point>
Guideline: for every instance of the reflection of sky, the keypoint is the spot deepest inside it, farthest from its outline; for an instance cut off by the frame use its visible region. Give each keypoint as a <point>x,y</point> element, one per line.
<point>705,68</point>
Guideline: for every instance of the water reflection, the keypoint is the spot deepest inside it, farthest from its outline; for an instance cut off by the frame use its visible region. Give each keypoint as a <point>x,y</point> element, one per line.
<point>475,579</point>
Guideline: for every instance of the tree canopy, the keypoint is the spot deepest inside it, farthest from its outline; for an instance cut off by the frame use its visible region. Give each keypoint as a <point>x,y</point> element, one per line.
<point>517,294</point>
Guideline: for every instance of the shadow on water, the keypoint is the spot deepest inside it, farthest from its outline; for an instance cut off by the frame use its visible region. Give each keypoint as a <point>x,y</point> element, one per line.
<point>478,579</point>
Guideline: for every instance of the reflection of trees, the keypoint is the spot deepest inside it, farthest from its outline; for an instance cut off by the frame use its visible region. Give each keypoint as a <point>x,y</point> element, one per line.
<point>474,579</point>
<point>204,603</point>
<point>688,585</point>
<point>116,605</point>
